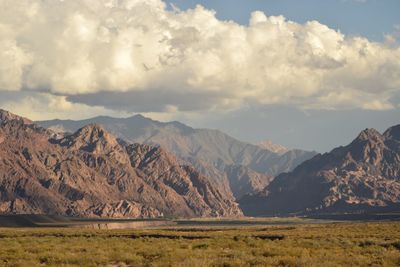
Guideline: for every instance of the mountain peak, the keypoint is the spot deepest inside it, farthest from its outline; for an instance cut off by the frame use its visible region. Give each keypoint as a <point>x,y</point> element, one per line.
<point>91,138</point>
<point>93,128</point>
<point>6,116</point>
<point>369,134</point>
<point>139,117</point>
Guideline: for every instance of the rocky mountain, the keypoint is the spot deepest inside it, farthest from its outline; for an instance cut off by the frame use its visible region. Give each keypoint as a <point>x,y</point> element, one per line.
<point>233,180</point>
<point>363,176</point>
<point>243,180</point>
<point>213,152</point>
<point>90,173</point>
<point>269,145</point>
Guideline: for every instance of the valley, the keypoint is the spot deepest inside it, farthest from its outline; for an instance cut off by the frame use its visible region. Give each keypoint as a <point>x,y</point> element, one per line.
<point>173,133</point>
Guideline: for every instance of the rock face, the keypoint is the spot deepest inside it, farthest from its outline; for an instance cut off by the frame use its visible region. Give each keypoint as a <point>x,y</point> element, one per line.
<point>363,176</point>
<point>213,152</point>
<point>90,173</point>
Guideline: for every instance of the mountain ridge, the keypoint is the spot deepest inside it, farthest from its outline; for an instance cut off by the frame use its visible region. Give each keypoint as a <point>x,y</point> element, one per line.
<point>276,148</point>
<point>363,176</point>
<point>210,150</point>
<point>90,174</point>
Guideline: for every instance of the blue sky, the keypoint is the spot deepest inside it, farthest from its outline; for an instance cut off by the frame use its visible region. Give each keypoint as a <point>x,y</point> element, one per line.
<point>369,18</point>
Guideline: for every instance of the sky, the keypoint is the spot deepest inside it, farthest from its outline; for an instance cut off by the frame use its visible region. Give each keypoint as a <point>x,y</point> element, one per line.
<point>369,18</point>
<point>306,74</point>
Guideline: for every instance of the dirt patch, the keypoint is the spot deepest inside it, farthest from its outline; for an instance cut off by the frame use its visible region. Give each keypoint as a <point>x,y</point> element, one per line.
<point>270,237</point>
<point>368,243</point>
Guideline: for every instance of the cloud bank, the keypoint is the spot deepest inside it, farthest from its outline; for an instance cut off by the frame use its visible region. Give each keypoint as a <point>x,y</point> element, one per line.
<point>140,56</point>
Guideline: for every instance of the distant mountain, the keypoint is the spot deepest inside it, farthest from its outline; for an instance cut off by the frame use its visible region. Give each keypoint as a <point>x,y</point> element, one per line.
<point>269,145</point>
<point>363,176</point>
<point>213,152</point>
<point>242,180</point>
<point>236,180</point>
<point>90,173</point>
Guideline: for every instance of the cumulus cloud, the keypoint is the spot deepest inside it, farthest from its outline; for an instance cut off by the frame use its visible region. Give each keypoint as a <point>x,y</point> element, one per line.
<point>138,55</point>
<point>44,106</point>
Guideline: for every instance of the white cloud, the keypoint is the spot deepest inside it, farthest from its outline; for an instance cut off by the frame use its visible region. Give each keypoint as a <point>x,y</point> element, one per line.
<point>42,106</point>
<point>14,59</point>
<point>88,49</point>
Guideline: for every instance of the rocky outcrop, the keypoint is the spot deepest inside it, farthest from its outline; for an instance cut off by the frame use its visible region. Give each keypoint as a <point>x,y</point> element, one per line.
<point>363,176</point>
<point>125,209</point>
<point>92,174</point>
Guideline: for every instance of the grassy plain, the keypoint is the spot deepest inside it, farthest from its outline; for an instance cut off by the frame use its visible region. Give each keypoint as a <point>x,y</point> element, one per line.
<point>332,244</point>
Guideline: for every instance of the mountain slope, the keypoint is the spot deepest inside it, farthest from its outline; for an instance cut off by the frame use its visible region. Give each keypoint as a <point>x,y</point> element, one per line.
<point>210,151</point>
<point>211,146</point>
<point>362,176</point>
<point>90,173</point>
<point>269,145</point>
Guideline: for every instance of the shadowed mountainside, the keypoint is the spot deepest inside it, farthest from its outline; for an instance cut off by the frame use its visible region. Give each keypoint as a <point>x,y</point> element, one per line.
<point>363,176</point>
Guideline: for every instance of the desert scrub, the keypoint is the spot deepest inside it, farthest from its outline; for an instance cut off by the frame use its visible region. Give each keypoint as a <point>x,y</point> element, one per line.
<point>338,244</point>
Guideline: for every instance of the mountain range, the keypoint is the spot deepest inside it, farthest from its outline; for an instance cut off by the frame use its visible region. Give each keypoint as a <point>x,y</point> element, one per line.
<point>107,167</point>
<point>363,176</point>
<point>235,167</point>
<point>92,174</point>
